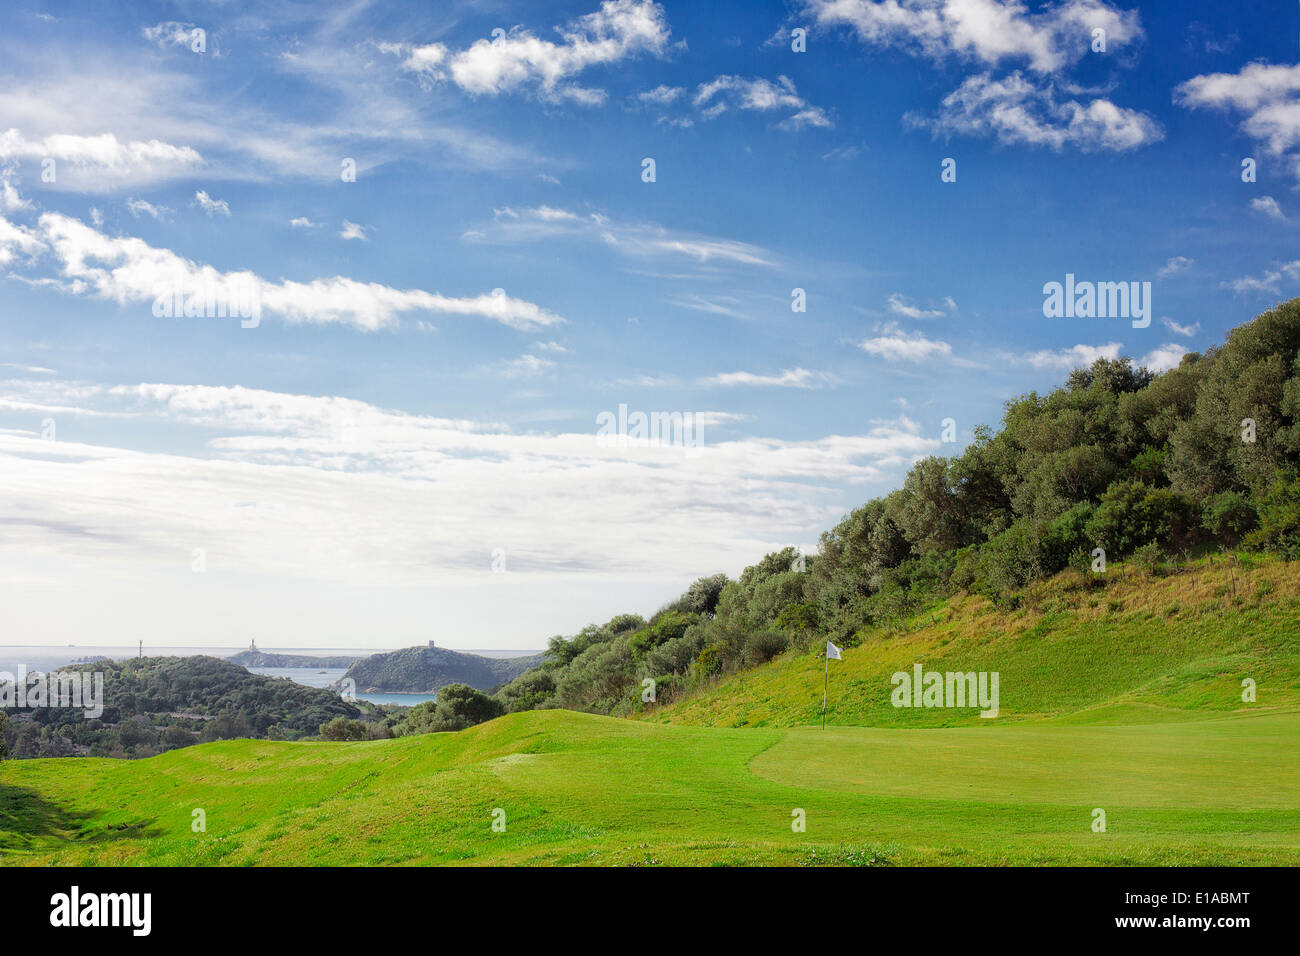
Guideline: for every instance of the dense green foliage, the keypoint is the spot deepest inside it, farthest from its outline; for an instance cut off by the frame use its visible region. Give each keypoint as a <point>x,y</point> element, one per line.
<point>155,704</point>
<point>1139,465</point>
<point>458,706</point>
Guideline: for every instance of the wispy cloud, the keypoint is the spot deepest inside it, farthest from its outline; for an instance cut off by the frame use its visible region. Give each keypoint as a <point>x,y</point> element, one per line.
<point>125,269</point>
<point>789,378</point>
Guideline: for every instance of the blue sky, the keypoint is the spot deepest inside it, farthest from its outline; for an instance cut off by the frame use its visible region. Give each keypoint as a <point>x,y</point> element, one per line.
<point>405,447</point>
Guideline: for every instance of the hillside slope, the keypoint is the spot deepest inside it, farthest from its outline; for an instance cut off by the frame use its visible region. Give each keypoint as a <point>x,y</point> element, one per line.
<point>582,789</point>
<point>1130,648</point>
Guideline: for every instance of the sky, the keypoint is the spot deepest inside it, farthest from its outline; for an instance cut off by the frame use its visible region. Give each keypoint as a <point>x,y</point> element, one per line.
<point>459,240</point>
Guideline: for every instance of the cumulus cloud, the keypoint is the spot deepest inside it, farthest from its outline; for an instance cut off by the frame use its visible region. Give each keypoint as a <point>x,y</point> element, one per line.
<point>988,31</point>
<point>1164,358</point>
<point>1263,95</point>
<point>895,345</point>
<point>213,207</point>
<point>518,60</point>
<point>1174,266</point>
<point>352,230</point>
<point>126,269</point>
<point>1184,330</point>
<point>1077,356</point>
<point>1014,109</point>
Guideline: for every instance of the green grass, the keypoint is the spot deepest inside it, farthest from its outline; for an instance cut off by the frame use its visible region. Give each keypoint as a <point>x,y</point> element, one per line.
<point>582,789</point>
<point>1136,711</point>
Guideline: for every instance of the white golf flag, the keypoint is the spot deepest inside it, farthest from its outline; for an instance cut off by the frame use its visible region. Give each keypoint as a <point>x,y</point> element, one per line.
<point>832,652</point>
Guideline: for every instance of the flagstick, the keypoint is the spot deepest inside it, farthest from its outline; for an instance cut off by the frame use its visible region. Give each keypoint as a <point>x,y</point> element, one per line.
<point>826,672</point>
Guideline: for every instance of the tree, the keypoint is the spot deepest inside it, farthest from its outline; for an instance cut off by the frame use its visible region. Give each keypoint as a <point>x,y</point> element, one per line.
<point>458,706</point>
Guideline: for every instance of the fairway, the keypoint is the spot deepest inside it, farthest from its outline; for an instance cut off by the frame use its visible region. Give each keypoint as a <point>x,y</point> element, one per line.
<point>583,789</point>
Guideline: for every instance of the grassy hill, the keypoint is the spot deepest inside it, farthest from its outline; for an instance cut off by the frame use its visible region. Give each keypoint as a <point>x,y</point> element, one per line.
<point>1128,648</point>
<point>585,789</point>
<point>1125,698</point>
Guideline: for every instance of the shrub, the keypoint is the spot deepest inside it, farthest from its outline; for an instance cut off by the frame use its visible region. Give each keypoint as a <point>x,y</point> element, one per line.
<point>1148,557</point>
<point>340,728</point>
<point>1279,521</point>
<point>1229,516</point>
<point>762,646</point>
<point>458,706</point>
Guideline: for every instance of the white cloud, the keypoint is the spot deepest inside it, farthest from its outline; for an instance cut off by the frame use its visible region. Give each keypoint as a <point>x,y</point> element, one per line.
<point>140,207</point>
<point>526,365</point>
<point>353,231</point>
<point>126,269</point>
<point>519,60</point>
<point>1269,207</point>
<point>895,345</point>
<point>291,496</point>
<point>1264,94</point>
<point>901,305</point>
<point>726,92</point>
<point>211,206</point>
<point>989,31</point>
<point>1184,330</point>
<point>302,222</point>
<point>1269,281</point>
<point>1174,266</point>
<point>1078,356</point>
<point>169,33</point>
<point>789,378</point>
<point>1016,110</point>
<point>727,305</point>
<point>661,95</point>
<point>100,163</point>
<point>633,239</point>
<point>1164,358</point>
<point>15,239</point>
<point>10,200</point>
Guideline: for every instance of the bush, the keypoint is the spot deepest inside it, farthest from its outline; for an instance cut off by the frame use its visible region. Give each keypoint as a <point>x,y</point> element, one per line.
<point>1279,521</point>
<point>1229,516</point>
<point>1131,514</point>
<point>1148,557</point>
<point>340,728</point>
<point>458,706</point>
<point>762,646</point>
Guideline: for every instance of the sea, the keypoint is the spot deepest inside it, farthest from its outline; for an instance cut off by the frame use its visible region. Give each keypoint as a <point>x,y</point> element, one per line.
<point>16,657</point>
